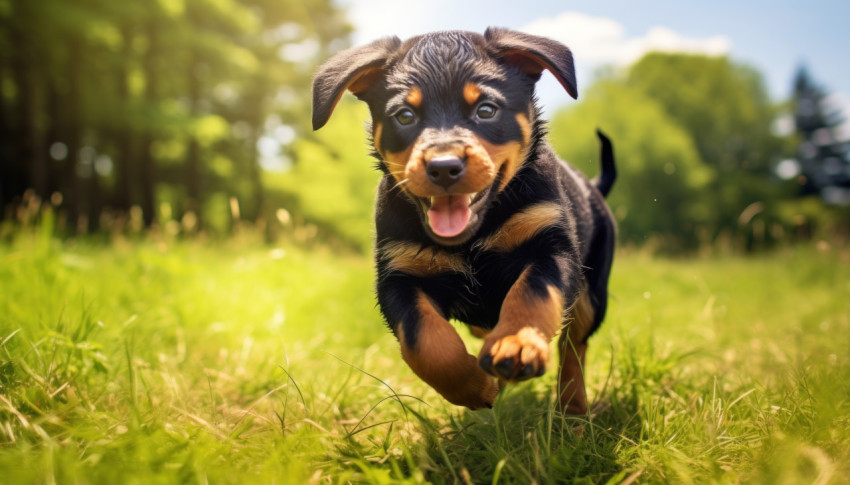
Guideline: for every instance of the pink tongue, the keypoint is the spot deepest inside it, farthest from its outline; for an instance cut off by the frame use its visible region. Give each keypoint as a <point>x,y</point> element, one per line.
<point>449,215</point>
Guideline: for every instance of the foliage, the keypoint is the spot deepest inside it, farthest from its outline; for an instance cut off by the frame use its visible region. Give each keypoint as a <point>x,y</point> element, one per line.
<point>334,182</point>
<point>696,156</point>
<point>154,102</point>
<point>722,104</point>
<point>725,108</point>
<point>171,362</point>
<point>657,175</point>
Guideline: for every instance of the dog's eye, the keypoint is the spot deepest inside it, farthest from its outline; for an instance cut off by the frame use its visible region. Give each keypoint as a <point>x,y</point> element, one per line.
<point>486,111</point>
<point>405,117</point>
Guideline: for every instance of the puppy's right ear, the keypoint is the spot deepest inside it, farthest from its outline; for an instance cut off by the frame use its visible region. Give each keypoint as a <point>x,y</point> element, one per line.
<point>355,69</point>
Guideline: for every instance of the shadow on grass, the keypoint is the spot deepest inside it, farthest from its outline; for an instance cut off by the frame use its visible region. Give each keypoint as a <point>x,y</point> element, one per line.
<point>523,439</point>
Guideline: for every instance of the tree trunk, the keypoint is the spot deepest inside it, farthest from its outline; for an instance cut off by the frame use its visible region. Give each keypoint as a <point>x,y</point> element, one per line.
<point>147,162</point>
<point>258,201</point>
<point>254,173</point>
<point>6,155</point>
<point>193,163</point>
<point>73,130</point>
<point>29,170</point>
<point>53,133</point>
<point>124,165</point>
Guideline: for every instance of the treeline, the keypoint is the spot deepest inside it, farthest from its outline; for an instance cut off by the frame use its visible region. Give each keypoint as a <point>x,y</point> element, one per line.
<point>111,108</point>
<point>697,148</point>
<point>195,113</point>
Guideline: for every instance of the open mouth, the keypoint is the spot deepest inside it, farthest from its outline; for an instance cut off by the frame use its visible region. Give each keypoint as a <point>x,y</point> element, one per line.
<point>450,215</point>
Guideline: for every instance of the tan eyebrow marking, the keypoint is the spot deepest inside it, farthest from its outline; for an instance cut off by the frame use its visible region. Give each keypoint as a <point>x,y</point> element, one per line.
<point>471,93</point>
<point>414,97</point>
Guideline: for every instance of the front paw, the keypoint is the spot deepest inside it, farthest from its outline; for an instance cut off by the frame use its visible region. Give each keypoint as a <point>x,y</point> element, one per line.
<point>515,357</point>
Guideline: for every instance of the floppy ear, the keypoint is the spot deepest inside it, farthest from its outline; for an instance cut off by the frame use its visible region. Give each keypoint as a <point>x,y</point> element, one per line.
<point>355,69</point>
<point>533,54</point>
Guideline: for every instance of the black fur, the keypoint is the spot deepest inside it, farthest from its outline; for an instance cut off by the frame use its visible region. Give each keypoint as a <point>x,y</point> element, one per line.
<point>573,254</point>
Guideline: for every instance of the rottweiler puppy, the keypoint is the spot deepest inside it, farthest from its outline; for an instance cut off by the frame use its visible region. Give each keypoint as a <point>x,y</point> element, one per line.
<point>476,217</point>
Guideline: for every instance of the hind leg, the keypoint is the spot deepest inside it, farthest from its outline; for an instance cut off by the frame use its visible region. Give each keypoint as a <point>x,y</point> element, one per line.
<point>572,346</point>
<point>585,317</point>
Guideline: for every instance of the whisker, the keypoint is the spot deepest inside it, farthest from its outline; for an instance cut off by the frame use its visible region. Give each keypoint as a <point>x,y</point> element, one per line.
<point>400,183</point>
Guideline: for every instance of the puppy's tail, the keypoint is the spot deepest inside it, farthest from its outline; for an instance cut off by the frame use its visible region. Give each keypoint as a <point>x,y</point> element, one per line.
<point>606,177</point>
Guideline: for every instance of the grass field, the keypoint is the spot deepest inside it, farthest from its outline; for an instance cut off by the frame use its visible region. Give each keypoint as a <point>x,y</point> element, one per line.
<point>188,362</point>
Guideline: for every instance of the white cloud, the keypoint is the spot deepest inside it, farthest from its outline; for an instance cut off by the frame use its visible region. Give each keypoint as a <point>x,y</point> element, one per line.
<point>381,18</point>
<point>603,41</point>
<point>596,39</point>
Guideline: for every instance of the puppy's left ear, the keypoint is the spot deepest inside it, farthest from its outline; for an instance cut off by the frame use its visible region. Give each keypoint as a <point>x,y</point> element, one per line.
<point>533,54</point>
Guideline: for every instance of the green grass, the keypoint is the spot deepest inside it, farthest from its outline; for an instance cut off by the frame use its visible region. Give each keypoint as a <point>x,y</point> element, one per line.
<point>184,362</point>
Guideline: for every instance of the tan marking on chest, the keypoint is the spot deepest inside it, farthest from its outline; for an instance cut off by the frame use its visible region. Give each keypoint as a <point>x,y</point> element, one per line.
<point>523,226</point>
<point>413,259</point>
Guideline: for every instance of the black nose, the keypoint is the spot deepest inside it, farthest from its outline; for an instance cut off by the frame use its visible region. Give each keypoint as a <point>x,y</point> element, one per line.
<point>445,171</point>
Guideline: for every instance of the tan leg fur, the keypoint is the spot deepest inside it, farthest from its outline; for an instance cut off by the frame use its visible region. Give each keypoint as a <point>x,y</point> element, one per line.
<point>439,358</point>
<point>518,347</point>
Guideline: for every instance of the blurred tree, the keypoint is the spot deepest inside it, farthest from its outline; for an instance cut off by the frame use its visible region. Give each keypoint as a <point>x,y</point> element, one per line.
<point>725,108</point>
<point>107,105</point>
<point>724,105</point>
<point>659,167</point>
<point>823,157</point>
<point>23,166</point>
<point>338,156</point>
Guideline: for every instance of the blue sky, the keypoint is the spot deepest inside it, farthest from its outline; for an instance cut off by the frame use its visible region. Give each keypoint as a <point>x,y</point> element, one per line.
<point>775,37</point>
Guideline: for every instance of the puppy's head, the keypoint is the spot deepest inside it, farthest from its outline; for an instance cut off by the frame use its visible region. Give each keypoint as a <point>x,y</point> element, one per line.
<point>452,114</point>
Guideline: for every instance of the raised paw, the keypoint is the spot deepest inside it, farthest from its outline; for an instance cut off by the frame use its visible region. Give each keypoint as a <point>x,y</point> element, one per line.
<point>515,357</point>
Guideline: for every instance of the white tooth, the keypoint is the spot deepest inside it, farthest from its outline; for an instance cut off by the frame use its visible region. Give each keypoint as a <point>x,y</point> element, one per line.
<point>432,201</point>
